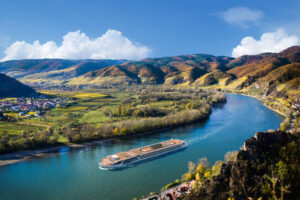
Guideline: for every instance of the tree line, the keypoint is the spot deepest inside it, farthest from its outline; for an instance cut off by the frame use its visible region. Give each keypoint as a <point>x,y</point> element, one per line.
<point>139,120</point>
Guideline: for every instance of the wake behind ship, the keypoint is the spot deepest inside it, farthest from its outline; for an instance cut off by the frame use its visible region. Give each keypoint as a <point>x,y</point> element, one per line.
<point>124,159</point>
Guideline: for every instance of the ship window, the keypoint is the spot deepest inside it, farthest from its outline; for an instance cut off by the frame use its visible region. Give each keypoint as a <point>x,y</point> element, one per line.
<point>116,163</point>
<point>169,143</point>
<point>130,160</point>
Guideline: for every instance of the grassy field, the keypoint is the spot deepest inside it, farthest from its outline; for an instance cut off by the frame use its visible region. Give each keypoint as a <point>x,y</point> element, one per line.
<point>93,114</point>
<point>89,95</point>
<point>12,128</point>
<point>88,107</point>
<point>85,103</point>
<point>8,99</point>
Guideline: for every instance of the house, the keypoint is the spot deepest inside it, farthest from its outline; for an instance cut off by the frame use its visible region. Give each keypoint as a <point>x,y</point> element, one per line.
<point>296,107</point>
<point>21,114</point>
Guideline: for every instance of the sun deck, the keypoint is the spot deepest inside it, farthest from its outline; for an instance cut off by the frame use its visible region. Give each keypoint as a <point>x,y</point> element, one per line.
<point>119,157</point>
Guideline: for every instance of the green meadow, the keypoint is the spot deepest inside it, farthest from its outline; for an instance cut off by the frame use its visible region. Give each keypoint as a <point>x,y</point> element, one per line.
<point>96,114</point>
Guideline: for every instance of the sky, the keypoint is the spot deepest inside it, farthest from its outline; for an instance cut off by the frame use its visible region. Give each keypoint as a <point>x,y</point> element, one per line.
<point>136,29</point>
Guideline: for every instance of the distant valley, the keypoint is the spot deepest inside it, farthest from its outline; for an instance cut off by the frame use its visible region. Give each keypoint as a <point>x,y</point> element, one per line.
<point>264,74</point>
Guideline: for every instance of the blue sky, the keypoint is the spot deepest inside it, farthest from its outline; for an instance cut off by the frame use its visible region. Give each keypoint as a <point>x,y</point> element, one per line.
<point>147,28</point>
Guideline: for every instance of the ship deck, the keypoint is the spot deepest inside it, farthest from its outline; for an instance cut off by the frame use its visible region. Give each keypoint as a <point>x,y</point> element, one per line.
<point>112,159</point>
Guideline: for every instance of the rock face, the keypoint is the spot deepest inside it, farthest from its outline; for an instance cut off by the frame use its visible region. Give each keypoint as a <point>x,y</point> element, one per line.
<point>10,87</point>
<point>243,178</point>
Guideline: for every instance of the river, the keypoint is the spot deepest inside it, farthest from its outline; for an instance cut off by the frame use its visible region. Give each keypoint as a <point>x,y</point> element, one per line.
<point>73,174</point>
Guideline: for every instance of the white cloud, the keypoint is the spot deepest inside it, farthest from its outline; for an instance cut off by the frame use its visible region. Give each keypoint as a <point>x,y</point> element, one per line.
<point>77,45</point>
<point>241,16</point>
<point>269,42</point>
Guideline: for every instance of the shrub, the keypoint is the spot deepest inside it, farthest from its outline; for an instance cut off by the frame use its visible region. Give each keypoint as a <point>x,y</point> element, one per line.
<point>230,156</point>
<point>200,168</point>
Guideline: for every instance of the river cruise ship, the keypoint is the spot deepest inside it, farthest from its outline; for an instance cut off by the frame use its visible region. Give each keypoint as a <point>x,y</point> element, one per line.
<point>124,159</point>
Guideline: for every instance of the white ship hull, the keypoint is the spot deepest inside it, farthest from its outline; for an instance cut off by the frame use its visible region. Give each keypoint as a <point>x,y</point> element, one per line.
<point>119,166</point>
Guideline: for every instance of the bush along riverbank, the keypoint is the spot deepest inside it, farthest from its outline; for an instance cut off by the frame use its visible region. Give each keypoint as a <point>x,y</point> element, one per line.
<point>267,167</point>
<point>133,117</point>
<point>282,104</point>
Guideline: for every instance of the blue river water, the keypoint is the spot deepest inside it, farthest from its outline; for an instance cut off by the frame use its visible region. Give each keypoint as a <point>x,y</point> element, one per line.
<point>73,174</point>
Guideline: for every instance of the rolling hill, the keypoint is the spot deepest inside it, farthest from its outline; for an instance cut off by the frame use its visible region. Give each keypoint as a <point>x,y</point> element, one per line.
<point>63,75</point>
<point>267,73</point>
<point>10,87</point>
<point>21,68</point>
<point>169,70</point>
<point>52,70</point>
<point>271,72</point>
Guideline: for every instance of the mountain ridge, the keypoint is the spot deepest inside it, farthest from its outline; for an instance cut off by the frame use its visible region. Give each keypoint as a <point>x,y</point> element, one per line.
<point>52,70</point>
<point>247,73</point>
<point>157,70</point>
<point>10,87</point>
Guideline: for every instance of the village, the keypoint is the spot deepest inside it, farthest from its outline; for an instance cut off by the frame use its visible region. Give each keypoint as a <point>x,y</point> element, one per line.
<point>31,107</point>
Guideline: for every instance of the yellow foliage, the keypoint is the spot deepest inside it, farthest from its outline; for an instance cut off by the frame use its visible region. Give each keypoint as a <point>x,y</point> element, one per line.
<point>213,168</point>
<point>188,176</point>
<point>198,178</point>
<point>188,106</point>
<point>75,108</point>
<point>136,113</point>
<point>8,99</point>
<point>118,111</point>
<point>123,131</point>
<point>175,121</point>
<point>116,131</point>
<point>89,95</point>
<point>236,83</point>
<point>200,168</point>
<point>207,174</point>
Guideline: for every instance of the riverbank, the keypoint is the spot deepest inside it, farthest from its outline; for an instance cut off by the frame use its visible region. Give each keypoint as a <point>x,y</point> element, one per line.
<point>275,110</point>
<point>256,152</point>
<point>21,156</point>
<point>161,194</point>
<point>259,99</point>
<point>127,112</point>
<point>15,157</point>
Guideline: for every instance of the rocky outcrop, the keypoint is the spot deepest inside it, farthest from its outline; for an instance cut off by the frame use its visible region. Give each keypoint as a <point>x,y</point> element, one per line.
<point>243,178</point>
